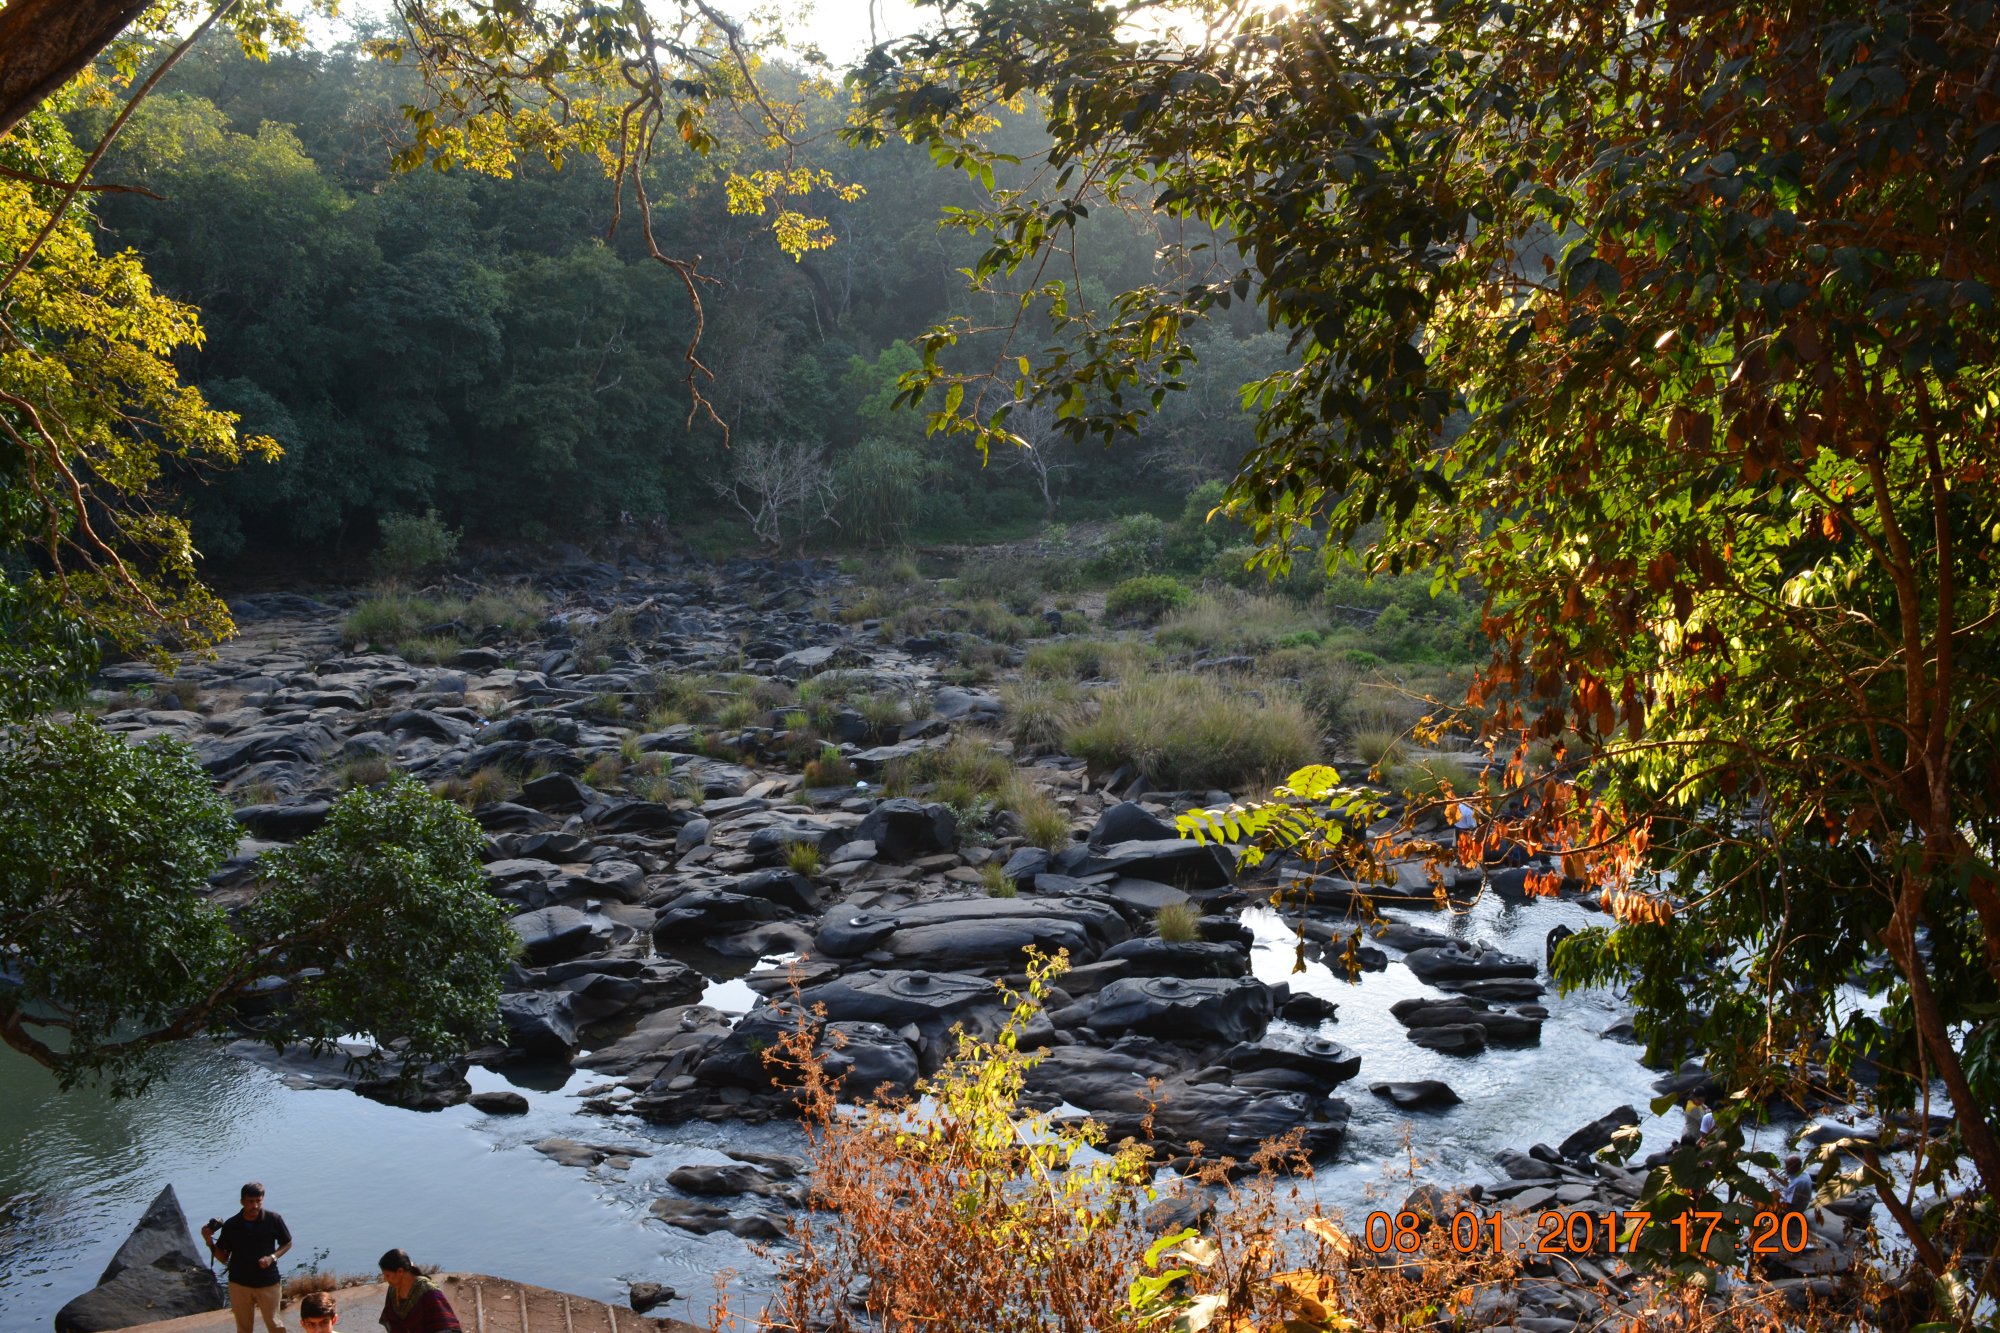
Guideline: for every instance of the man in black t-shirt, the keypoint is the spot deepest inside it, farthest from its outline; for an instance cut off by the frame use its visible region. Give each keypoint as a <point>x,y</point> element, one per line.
<point>251,1243</point>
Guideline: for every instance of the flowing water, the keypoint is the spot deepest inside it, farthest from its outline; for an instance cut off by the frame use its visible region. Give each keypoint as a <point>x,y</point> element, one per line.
<point>466,1190</point>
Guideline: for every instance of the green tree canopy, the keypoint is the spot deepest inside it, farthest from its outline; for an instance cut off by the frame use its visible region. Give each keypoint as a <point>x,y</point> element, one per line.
<point>377,923</point>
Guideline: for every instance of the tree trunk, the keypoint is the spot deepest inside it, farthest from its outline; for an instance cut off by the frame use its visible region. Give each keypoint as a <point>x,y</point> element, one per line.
<point>44,43</point>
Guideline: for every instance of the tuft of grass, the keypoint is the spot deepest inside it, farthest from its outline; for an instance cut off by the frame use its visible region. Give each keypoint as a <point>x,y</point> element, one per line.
<point>364,771</point>
<point>604,771</point>
<point>881,711</point>
<point>1378,746</point>
<point>1040,713</point>
<point>516,608</point>
<point>1178,923</point>
<point>1237,622</point>
<point>430,648</point>
<point>738,713</point>
<point>655,787</point>
<point>1191,731</point>
<point>963,768</point>
<point>1088,659</point>
<point>802,857</point>
<point>831,769</point>
<point>994,880</point>
<point>487,786</point>
<point>629,751</point>
<point>1047,827</point>
<point>1427,779</point>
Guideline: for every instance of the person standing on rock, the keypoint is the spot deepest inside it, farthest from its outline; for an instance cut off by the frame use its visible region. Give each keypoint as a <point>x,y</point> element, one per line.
<point>414,1304</point>
<point>251,1243</point>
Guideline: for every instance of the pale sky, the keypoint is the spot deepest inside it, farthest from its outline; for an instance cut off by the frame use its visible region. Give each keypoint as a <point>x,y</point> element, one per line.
<point>840,27</point>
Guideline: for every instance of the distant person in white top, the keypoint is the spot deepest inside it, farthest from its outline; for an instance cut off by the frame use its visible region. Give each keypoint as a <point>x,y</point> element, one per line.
<point>1465,821</point>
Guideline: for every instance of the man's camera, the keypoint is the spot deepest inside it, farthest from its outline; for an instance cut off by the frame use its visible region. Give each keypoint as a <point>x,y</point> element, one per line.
<point>214,1224</point>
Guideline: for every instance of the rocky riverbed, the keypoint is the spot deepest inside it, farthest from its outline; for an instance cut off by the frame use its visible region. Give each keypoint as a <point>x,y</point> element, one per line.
<point>665,924</point>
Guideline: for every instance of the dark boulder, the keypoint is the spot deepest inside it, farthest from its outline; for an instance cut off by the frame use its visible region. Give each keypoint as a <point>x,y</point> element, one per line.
<point>958,933</point>
<point>1128,821</point>
<point>499,1101</point>
<point>1461,962</point>
<point>1187,865</point>
<point>283,823</point>
<point>557,793</point>
<point>1597,1134</point>
<point>690,917</point>
<point>540,1022</point>
<point>644,818</point>
<point>906,830</point>
<point>786,888</point>
<point>1500,1028</point>
<point>1191,1011</point>
<point>1155,957</point>
<point>1424,1095</point>
<point>1451,1038</point>
<point>552,934</point>
<point>156,1274</point>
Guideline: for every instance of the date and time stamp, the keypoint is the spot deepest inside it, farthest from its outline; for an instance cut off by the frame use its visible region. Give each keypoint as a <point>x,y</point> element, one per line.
<point>1581,1233</point>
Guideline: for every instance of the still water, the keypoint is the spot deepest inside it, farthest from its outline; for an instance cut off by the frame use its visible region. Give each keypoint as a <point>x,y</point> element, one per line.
<point>351,1178</point>
<point>466,1190</point>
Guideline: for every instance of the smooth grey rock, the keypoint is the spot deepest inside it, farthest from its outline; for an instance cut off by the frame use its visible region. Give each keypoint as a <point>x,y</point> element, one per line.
<point>616,878</point>
<point>905,830</point>
<point>1185,865</point>
<point>551,934</point>
<point>706,1218</point>
<point>731,1179</point>
<point>787,888</point>
<point>649,1295</point>
<point>1133,1096</point>
<point>1451,1038</point>
<point>284,823</point>
<point>558,793</point>
<point>1597,1134</point>
<point>1423,1095</point>
<point>1156,957</point>
<point>1193,1011</point>
<point>692,916</point>
<point>645,818</point>
<point>500,1101</point>
<point>1128,821</point>
<point>1498,1026</point>
<point>1459,962</point>
<point>540,1022</point>
<point>956,933</point>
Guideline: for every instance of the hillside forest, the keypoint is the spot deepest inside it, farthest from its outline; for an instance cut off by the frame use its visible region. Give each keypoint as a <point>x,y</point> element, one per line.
<point>488,348</point>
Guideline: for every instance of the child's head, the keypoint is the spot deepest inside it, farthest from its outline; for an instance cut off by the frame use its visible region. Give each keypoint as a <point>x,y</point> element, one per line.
<point>1794,1164</point>
<point>316,1312</point>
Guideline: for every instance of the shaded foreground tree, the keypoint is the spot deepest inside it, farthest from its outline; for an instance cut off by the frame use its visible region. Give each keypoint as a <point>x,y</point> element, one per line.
<point>377,923</point>
<point>1674,327</point>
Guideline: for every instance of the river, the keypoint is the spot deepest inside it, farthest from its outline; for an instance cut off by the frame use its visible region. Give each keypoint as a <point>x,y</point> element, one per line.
<point>466,1190</point>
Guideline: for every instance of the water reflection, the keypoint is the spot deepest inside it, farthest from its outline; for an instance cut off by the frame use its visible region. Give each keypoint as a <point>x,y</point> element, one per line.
<point>351,1177</point>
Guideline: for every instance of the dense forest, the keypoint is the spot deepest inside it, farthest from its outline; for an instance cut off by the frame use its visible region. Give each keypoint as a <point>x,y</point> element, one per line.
<point>490,348</point>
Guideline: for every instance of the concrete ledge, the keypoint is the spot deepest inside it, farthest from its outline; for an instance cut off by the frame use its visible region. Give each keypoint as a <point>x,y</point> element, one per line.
<point>484,1304</point>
